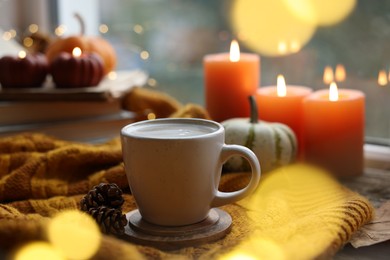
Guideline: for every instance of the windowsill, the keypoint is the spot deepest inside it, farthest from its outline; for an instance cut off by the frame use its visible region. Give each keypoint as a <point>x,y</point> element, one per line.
<point>377,156</point>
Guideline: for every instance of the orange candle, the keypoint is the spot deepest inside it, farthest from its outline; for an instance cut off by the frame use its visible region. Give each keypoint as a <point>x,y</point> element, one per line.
<point>230,78</point>
<point>334,130</point>
<point>283,104</point>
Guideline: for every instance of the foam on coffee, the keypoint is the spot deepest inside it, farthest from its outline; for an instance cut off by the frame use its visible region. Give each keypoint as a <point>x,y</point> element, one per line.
<point>170,130</point>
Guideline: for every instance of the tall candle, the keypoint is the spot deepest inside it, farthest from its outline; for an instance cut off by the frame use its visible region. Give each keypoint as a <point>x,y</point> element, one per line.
<point>283,103</point>
<point>334,130</point>
<point>230,78</point>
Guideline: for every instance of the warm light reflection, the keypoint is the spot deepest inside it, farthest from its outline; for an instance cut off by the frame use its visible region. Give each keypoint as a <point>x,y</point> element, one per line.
<point>22,54</point>
<point>269,27</point>
<point>281,86</point>
<point>333,92</point>
<point>340,73</point>
<point>38,250</point>
<point>75,233</point>
<point>382,78</point>
<point>234,51</point>
<point>328,75</point>
<point>76,52</point>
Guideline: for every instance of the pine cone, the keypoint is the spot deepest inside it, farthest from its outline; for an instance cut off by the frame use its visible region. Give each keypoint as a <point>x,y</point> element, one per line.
<point>110,221</point>
<point>104,194</point>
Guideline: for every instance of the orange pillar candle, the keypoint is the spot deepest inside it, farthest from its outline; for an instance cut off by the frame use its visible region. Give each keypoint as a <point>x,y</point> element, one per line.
<point>334,130</point>
<point>230,78</point>
<point>283,104</point>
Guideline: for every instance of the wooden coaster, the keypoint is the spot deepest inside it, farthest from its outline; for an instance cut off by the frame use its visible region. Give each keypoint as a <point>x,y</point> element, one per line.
<point>216,225</point>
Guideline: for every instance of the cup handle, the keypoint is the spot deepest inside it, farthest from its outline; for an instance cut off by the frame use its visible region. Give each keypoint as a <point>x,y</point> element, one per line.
<point>223,198</point>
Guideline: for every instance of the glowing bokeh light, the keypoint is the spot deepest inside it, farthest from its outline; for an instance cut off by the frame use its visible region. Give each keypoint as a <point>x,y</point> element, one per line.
<point>75,233</point>
<point>152,82</point>
<point>151,116</point>
<point>269,27</point>
<point>320,12</point>
<point>103,28</point>
<point>60,30</point>
<point>144,55</point>
<point>38,250</point>
<point>138,29</point>
<point>28,42</point>
<point>33,28</point>
<point>112,75</point>
<point>382,78</point>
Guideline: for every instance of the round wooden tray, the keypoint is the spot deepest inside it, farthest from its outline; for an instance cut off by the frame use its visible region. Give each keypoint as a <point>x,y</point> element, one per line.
<point>216,225</point>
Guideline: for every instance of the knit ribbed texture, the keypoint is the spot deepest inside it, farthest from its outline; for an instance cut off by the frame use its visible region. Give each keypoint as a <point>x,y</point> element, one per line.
<point>301,212</point>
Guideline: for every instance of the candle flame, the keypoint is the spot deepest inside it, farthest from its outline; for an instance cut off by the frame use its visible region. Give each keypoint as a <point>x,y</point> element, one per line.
<point>382,78</point>
<point>328,75</point>
<point>76,52</point>
<point>22,54</point>
<point>333,92</point>
<point>234,51</point>
<point>281,86</point>
<point>340,73</point>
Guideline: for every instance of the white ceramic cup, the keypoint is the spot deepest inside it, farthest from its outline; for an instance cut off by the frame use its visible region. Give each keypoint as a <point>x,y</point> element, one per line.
<point>174,166</point>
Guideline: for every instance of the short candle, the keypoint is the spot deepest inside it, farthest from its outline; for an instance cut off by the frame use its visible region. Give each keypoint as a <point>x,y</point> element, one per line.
<point>333,122</point>
<point>283,103</point>
<point>230,78</point>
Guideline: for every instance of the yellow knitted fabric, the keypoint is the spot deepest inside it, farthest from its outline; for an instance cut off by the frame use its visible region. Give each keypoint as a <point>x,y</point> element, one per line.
<point>300,212</point>
<point>297,212</point>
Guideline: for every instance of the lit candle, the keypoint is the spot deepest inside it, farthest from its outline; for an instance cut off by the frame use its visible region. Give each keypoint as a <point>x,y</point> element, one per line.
<point>333,122</point>
<point>23,71</point>
<point>77,69</point>
<point>230,78</point>
<point>283,104</point>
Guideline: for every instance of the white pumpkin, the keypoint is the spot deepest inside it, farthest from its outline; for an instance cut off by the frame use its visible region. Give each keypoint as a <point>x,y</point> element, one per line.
<point>274,144</point>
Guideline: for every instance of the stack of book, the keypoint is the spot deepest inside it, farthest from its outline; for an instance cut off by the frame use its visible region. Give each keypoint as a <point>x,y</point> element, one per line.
<point>84,114</point>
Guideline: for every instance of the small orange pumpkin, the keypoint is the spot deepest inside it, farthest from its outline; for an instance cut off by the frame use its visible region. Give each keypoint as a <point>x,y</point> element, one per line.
<point>87,44</point>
